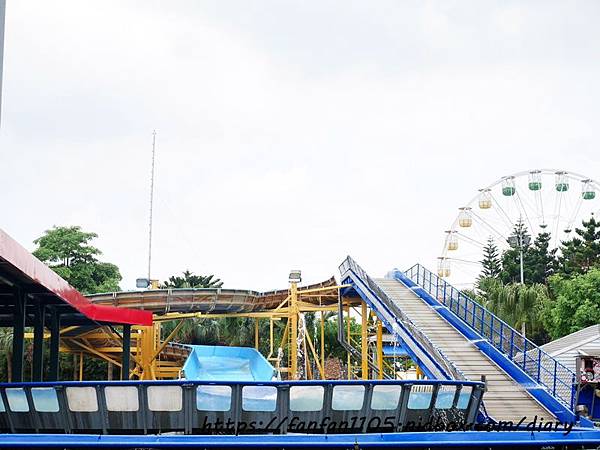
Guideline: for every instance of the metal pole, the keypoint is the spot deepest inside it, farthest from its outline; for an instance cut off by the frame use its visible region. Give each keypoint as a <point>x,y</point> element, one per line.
<point>54,345</point>
<point>151,205</point>
<point>38,342</point>
<point>293,317</point>
<point>125,360</point>
<point>2,21</point>
<point>18,348</point>
<point>521,257</point>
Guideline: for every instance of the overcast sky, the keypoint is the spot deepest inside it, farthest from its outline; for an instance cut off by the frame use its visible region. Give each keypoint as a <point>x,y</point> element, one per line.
<point>290,133</point>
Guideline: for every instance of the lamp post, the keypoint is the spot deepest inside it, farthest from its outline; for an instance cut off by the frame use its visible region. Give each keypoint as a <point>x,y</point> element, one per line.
<point>520,240</point>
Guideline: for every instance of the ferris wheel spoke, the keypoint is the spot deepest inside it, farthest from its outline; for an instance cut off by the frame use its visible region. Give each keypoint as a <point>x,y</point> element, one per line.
<point>504,215</point>
<point>573,216</point>
<point>524,210</point>
<point>470,239</point>
<point>490,227</point>
<point>557,215</point>
<point>466,261</point>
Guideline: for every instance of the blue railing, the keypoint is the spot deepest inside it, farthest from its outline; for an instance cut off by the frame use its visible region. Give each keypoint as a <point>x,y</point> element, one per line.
<point>350,265</point>
<point>540,366</point>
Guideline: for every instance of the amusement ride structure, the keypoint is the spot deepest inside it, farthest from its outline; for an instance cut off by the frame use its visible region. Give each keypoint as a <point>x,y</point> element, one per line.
<point>544,201</point>
<point>476,369</point>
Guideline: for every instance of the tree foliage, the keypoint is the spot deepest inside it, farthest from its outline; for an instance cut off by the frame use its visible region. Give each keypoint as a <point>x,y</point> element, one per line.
<point>492,266</point>
<point>575,303</point>
<point>190,280</point>
<point>67,250</point>
<point>582,252</point>
<point>517,304</point>
<point>561,284</point>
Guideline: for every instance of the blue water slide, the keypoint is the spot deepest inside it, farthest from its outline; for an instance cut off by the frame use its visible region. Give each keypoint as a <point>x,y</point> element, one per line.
<point>221,363</point>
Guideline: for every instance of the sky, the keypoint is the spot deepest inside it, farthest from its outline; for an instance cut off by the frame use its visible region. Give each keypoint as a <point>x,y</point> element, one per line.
<point>289,133</point>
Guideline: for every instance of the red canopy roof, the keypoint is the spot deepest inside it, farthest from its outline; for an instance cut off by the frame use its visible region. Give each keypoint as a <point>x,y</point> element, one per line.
<point>22,265</point>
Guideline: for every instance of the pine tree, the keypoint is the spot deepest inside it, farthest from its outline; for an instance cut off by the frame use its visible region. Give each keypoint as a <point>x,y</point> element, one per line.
<point>540,260</point>
<point>582,252</point>
<point>491,260</point>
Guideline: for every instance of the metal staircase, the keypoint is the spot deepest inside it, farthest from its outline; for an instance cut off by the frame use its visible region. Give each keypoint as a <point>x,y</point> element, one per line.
<point>451,336</point>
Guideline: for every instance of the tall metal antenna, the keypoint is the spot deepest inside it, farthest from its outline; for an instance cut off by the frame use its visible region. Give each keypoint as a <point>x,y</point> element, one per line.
<point>2,13</point>
<point>151,206</point>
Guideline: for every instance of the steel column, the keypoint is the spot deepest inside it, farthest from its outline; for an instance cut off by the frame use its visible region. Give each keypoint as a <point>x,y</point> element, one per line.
<point>125,361</point>
<point>54,345</point>
<point>364,337</point>
<point>293,310</point>
<point>379,350</point>
<point>18,347</point>
<point>38,341</point>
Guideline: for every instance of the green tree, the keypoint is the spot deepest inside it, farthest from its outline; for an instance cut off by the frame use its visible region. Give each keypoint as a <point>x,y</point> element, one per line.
<point>518,305</point>
<point>190,280</point>
<point>540,260</point>
<point>492,266</point>
<point>582,252</point>
<point>575,303</point>
<point>67,250</point>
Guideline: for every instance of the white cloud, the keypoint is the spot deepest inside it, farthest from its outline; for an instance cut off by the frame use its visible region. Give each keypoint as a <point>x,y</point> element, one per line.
<point>290,134</point>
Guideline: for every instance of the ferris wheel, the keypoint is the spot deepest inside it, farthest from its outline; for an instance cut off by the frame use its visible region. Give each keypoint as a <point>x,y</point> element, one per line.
<point>551,201</point>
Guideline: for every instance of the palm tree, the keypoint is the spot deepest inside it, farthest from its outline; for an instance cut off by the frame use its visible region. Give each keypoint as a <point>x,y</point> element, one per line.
<point>189,280</point>
<point>517,304</point>
<point>6,343</point>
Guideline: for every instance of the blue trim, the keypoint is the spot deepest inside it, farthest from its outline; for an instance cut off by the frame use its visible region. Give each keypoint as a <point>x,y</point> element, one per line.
<point>235,383</point>
<point>512,369</point>
<point>394,350</point>
<point>465,439</point>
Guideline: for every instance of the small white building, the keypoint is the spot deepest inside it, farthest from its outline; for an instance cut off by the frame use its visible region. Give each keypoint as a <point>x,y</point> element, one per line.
<point>568,348</point>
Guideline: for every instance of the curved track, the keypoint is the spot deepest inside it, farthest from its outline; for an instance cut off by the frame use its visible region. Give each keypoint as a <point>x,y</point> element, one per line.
<point>210,300</point>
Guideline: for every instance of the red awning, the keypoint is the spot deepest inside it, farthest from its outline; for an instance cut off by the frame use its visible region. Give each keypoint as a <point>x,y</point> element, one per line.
<point>22,265</point>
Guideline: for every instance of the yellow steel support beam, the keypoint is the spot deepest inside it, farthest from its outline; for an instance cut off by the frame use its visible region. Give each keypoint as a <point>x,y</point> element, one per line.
<point>320,366</point>
<point>364,344</point>
<point>162,346</point>
<point>349,340</point>
<point>94,352</point>
<point>147,351</point>
<point>270,339</point>
<point>323,344</point>
<point>80,366</point>
<point>379,350</point>
<point>294,330</point>
<point>420,374</point>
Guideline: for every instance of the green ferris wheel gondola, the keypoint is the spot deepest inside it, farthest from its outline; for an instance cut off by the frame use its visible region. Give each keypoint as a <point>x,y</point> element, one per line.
<point>589,195</point>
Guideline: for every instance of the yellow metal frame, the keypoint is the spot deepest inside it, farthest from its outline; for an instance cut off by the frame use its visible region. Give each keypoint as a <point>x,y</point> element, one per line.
<point>148,346</point>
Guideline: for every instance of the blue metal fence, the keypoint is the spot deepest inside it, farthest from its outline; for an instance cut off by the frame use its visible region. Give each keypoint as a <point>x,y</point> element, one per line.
<point>541,367</point>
